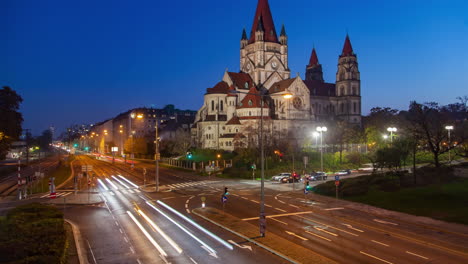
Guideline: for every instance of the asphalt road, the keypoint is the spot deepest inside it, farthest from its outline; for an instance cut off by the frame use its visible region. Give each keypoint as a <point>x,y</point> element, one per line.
<point>325,226</point>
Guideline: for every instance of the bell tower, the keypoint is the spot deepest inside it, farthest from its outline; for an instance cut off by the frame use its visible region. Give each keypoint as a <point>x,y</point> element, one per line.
<point>348,85</point>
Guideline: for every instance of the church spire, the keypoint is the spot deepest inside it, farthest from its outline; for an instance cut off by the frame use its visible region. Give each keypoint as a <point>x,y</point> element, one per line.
<point>283,31</point>
<point>347,48</point>
<point>244,35</point>
<point>313,58</point>
<point>263,14</point>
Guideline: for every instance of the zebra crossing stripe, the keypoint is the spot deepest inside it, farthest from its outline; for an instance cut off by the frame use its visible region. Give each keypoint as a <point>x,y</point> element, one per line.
<point>137,190</point>
<point>66,194</point>
<point>111,193</point>
<point>131,191</point>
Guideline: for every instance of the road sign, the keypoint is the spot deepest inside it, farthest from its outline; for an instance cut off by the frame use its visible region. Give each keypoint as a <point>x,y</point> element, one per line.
<point>337,183</point>
<point>224,199</point>
<point>337,177</point>
<point>158,156</point>
<point>306,191</point>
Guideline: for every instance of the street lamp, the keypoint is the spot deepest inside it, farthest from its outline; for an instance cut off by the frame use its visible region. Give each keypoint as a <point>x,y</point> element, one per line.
<point>262,217</point>
<point>449,143</point>
<point>391,130</point>
<point>321,130</point>
<point>316,135</point>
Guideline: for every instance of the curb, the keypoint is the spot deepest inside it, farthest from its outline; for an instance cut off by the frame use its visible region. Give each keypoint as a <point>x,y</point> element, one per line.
<point>246,238</point>
<point>78,242</point>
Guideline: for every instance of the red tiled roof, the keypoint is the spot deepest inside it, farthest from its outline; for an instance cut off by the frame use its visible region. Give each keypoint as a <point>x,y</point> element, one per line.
<point>234,121</point>
<point>220,87</point>
<point>347,48</point>
<point>232,91</point>
<point>255,99</point>
<point>313,58</point>
<point>263,12</point>
<point>280,86</point>
<point>240,78</point>
<point>318,88</point>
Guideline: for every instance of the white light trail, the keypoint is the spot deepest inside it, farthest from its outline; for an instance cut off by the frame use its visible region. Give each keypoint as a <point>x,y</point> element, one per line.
<point>111,183</point>
<point>215,237</point>
<point>169,240</point>
<point>183,229</point>
<point>147,234</point>
<point>125,179</point>
<point>119,181</point>
<point>103,185</point>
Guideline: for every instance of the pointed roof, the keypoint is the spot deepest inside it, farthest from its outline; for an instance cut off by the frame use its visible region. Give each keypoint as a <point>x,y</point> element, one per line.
<point>254,98</point>
<point>283,31</point>
<point>313,58</point>
<point>234,121</point>
<point>263,14</point>
<point>244,35</point>
<point>347,48</point>
<point>281,86</point>
<point>240,79</point>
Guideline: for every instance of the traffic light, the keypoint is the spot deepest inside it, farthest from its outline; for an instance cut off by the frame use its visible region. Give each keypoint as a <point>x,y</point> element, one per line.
<point>308,187</point>
<point>189,155</point>
<point>75,145</point>
<point>226,191</point>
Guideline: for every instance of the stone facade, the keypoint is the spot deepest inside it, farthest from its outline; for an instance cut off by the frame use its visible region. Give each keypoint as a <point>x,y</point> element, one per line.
<point>232,110</point>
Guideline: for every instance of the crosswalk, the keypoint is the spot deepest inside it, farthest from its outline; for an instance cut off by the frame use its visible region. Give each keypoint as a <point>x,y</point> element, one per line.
<point>188,184</point>
<point>58,194</point>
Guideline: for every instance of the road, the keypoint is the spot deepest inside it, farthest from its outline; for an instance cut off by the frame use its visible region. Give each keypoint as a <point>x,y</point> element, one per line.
<point>114,231</point>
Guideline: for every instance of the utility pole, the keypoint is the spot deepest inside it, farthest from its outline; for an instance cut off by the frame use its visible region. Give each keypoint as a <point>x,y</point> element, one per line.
<point>156,153</point>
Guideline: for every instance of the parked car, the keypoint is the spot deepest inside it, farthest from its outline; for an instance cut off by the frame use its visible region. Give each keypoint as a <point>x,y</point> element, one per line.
<point>343,172</point>
<point>291,178</point>
<point>281,176</point>
<point>318,176</point>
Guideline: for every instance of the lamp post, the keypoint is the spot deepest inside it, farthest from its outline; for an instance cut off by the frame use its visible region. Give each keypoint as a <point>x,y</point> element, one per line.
<point>156,153</point>
<point>449,144</point>
<point>321,130</point>
<point>316,135</point>
<point>391,130</point>
<point>262,218</point>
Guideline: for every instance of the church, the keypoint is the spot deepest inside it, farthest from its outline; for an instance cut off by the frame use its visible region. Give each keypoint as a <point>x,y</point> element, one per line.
<point>233,108</point>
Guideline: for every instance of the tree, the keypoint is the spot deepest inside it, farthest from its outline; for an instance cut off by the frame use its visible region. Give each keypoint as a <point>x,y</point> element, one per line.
<point>429,120</point>
<point>10,119</point>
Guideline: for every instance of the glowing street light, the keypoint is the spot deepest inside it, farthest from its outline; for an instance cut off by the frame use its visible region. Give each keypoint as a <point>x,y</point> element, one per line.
<point>391,130</point>
<point>448,130</point>
<point>321,130</point>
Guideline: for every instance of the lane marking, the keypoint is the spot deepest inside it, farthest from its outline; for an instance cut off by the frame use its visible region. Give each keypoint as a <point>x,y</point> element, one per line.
<point>120,229</point>
<point>125,238</point>
<point>284,223</point>
<point>336,228</point>
<point>139,262</point>
<point>267,205</point>
<point>255,201</point>
<point>414,254</point>
<point>150,238</point>
<point>380,243</point>
<point>188,211</point>
<point>245,198</point>
<point>112,193</point>
<point>237,245</point>
<point>292,205</point>
<point>279,209</point>
<point>281,202</point>
<point>331,209</point>
<point>131,249</point>
<point>117,224</point>
<point>137,191</point>
<point>384,222</point>
<point>293,234</point>
<point>92,253</point>
<point>351,227</point>
<point>193,260</point>
<point>234,194</point>
<point>369,255</point>
<point>323,230</point>
<point>324,238</point>
<point>278,215</point>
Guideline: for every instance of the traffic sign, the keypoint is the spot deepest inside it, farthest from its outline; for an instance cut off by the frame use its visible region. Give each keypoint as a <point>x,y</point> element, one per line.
<point>337,183</point>
<point>224,199</point>
<point>306,191</point>
<point>86,168</point>
<point>337,177</point>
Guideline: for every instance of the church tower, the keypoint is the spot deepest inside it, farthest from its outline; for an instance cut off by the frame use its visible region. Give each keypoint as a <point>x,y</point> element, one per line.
<point>348,85</point>
<point>314,69</point>
<point>263,56</point>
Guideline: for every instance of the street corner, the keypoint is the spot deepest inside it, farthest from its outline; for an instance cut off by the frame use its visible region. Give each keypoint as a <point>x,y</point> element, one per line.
<point>78,199</point>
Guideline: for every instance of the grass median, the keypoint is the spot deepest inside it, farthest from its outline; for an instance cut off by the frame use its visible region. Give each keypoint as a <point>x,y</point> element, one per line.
<point>61,174</point>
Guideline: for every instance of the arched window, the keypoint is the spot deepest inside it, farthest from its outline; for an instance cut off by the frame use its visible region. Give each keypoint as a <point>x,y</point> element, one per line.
<point>250,102</point>
<point>246,85</point>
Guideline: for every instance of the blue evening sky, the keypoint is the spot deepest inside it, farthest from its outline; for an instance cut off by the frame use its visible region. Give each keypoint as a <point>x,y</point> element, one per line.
<point>86,61</point>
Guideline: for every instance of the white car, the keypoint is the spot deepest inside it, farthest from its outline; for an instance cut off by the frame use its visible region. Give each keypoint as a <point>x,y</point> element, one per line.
<point>280,176</point>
